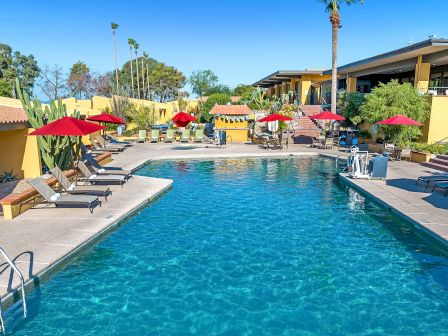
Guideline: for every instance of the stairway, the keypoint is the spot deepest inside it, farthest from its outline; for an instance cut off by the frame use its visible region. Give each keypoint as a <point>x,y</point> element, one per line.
<point>440,162</point>
<point>307,127</point>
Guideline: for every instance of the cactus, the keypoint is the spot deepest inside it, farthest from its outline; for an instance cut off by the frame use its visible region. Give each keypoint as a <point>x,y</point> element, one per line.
<point>259,100</point>
<point>54,150</point>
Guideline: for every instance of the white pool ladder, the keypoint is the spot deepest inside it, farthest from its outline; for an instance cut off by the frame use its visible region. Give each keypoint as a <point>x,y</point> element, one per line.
<point>22,284</point>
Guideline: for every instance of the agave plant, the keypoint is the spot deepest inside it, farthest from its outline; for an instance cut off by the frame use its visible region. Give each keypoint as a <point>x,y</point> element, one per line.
<point>7,176</point>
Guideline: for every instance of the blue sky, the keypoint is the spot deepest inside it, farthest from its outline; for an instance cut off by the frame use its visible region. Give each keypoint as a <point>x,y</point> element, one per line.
<point>241,41</point>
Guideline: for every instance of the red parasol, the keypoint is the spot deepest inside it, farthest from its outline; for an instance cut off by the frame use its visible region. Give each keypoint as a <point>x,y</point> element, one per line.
<point>182,119</point>
<point>68,126</point>
<point>400,120</point>
<point>327,116</point>
<point>107,118</point>
<point>275,117</point>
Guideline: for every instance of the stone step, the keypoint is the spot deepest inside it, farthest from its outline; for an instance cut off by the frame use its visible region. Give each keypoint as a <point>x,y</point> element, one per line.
<point>436,166</point>
<point>443,157</point>
<point>439,161</point>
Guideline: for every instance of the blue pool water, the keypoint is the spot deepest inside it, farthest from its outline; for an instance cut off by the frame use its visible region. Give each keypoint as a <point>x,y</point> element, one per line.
<point>249,247</point>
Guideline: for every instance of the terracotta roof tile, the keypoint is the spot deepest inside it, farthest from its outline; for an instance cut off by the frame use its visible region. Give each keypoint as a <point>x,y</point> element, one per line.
<point>9,115</point>
<point>231,109</point>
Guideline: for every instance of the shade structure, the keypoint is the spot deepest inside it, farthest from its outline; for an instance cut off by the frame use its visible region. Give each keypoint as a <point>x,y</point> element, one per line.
<point>107,118</point>
<point>68,126</point>
<point>327,116</point>
<point>275,117</point>
<point>400,120</point>
<point>182,119</point>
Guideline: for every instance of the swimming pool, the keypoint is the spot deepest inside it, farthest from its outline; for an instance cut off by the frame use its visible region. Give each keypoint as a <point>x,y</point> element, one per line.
<point>249,247</point>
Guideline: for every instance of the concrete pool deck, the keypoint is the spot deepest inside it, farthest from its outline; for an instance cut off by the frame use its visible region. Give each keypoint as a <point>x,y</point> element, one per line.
<point>42,239</point>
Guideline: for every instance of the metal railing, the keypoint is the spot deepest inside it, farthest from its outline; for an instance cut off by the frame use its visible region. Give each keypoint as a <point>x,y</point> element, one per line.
<point>438,90</point>
<point>22,284</point>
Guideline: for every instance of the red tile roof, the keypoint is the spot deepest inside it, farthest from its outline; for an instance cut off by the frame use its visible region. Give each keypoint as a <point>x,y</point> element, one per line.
<point>9,115</point>
<point>231,109</point>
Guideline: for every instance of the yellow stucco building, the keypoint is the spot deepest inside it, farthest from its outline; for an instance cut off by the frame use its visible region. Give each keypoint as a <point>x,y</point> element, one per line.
<point>234,119</point>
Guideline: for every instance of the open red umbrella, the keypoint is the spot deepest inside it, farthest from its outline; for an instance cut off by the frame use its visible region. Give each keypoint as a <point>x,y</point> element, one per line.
<point>68,126</point>
<point>182,119</point>
<point>399,120</point>
<point>107,118</point>
<point>327,116</point>
<point>275,117</point>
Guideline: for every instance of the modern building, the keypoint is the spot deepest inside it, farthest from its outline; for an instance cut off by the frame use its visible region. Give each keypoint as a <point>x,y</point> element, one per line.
<point>423,64</point>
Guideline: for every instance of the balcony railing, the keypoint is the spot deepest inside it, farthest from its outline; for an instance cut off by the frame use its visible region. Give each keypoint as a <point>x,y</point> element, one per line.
<point>438,91</point>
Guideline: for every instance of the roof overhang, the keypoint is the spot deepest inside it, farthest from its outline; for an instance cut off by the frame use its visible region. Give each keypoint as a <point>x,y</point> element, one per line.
<point>434,51</point>
<point>13,126</point>
<point>283,76</point>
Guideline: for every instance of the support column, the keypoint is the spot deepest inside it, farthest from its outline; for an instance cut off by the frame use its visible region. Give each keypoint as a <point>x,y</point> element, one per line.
<point>422,73</point>
<point>304,89</point>
<point>351,84</point>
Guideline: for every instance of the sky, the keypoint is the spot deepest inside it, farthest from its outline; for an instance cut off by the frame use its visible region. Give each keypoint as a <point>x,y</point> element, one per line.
<point>242,41</point>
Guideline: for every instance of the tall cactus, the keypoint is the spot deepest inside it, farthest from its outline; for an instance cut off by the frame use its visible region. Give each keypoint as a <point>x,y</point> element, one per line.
<point>54,150</point>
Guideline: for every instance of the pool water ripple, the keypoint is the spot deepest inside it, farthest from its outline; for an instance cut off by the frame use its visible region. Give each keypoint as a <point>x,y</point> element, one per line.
<point>250,247</point>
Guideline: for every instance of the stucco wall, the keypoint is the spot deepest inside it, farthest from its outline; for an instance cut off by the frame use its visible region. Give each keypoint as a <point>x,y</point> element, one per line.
<point>437,126</point>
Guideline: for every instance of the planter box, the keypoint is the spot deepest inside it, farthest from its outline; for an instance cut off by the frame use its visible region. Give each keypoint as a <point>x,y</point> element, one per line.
<point>420,156</point>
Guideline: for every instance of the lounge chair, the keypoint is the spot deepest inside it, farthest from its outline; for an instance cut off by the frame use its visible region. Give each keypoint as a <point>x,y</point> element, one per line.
<point>441,185</point>
<point>102,170</point>
<point>92,178</point>
<point>169,135</point>
<point>52,197</point>
<point>185,135</point>
<point>98,148</point>
<point>106,144</point>
<point>72,188</point>
<point>114,140</point>
<point>154,135</point>
<point>91,151</point>
<point>432,179</point>
<point>141,136</point>
<point>199,135</point>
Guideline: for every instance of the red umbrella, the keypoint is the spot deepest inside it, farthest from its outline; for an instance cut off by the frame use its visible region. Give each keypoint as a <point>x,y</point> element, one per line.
<point>182,119</point>
<point>400,120</point>
<point>68,126</point>
<point>327,116</point>
<point>107,118</point>
<point>275,117</point>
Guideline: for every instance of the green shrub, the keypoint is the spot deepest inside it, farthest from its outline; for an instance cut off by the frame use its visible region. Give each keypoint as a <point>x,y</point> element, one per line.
<point>441,149</point>
<point>205,108</point>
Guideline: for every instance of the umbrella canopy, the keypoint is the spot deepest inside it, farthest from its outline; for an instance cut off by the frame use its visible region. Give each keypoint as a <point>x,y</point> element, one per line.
<point>107,118</point>
<point>400,120</point>
<point>275,117</point>
<point>68,126</point>
<point>182,119</point>
<point>327,116</point>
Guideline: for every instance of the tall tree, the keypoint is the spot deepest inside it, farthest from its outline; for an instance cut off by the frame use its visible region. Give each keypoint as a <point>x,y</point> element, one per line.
<point>202,80</point>
<point>52,82</point>
<point>131,43</point>
<point>333,7</point>
<point>15,65</point>
<point>136,45</point>
<point>147,81</point>
<point>145,56</point>
<point>80,80</point>
<point>166,81</point>
<point>114,27</point>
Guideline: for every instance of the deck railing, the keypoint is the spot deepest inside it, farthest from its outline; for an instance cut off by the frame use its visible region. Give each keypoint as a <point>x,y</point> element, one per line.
<point>438,90</point>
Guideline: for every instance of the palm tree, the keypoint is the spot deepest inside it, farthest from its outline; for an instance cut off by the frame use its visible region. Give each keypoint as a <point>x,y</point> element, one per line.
<point>144,58</point>
<point>147,81</point>
<point>333,7</point>
<point>131,43</point>
<point>136,65</point>
<point>114,26</point>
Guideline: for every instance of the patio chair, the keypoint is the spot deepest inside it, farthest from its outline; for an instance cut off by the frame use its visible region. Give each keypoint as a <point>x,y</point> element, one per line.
<point>432,179</point>
<point>72,188</point>
<point>91,151</point>
<point>155,133</point>
<point>92,178</point>
<point>52,197</point>
<point>441,185</point>
<point>199,135</point>
<point>169,135</point>
<point>327,144</point>
<point>185,135</point>
<point>103,170</point>
<point>404,153</point>
<point>316,142</point>
<point>141,136</point>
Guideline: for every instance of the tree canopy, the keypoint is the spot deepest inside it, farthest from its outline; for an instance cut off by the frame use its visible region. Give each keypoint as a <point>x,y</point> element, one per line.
<point>15,65</point>
<point>205,108</point>
<point>202,81</point>
<point>388,100</point>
